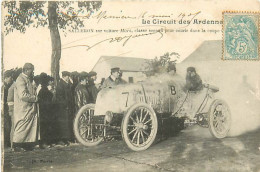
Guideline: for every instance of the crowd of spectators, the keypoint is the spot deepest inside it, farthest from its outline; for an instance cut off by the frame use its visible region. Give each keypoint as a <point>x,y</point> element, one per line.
<point>39,112</point>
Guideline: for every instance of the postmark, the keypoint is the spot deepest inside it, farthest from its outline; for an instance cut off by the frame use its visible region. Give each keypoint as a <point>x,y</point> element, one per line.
<point>240,36</point>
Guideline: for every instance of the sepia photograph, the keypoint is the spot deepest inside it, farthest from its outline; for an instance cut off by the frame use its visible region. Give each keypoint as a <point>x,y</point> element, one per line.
<point>130,85</point>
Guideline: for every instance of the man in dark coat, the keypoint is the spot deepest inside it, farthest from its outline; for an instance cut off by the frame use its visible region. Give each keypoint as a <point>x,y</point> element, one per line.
<point>92,88</point>
<point>8,80</point>
<point>82,96</point>
<point>65,109</point>
<point>75,78</point>
<point>193,80</point>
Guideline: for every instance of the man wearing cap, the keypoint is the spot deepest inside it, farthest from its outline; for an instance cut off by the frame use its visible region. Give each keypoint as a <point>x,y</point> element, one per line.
<point>26,130</point>
<point>8,79</point>
<point>193,80</point>
<point>92,86</point>
<point>82,96</point>
<point>111,81</point>
<point>65,103</point>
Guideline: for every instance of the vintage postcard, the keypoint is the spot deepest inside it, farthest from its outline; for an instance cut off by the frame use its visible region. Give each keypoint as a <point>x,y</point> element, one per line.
<point>130,85</point>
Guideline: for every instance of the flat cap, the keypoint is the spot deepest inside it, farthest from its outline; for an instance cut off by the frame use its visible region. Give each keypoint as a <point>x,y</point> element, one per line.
<point>28,66</point>
<point>8,73</point>
<point>74,73</point>
<point>92,73</point>
<point>65,73</point>
<point>83,74</point>
<point>115,69</point>
<point>191,69</point>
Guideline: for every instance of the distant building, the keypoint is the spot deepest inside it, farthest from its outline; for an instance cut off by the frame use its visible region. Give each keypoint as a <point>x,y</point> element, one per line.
<point>133,68</point>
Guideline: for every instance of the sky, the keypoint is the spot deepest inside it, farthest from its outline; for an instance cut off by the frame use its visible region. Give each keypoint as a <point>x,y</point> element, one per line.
<point>35,45</point>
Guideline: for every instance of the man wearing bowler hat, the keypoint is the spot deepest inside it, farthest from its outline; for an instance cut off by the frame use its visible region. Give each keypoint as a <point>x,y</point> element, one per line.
<point>111,81</point>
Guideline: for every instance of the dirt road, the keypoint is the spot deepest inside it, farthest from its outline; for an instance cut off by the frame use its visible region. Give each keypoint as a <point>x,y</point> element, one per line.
<point>191,150</point>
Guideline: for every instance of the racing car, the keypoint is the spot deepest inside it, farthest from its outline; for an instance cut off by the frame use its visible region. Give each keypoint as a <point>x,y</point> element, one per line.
<point>140,112</point>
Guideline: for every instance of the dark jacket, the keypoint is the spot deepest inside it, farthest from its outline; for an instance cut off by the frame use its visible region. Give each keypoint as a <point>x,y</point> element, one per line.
<point>47,115</point>
<point>82,96</point>
<point>64,94</point>
<point>93,90</point>
<point>65,105</point>
<point>194,83</point>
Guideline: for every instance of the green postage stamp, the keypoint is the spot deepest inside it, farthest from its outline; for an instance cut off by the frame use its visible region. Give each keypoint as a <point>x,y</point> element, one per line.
<point>240,36</point>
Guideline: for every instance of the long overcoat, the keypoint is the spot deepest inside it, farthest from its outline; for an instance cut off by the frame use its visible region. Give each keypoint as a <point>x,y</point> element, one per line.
<point>47,115</point>
<point>65,105</point>
<point>26,127</point>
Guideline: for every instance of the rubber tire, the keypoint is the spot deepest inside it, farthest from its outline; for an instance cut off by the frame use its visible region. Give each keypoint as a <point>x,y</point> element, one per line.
<point>125,123</point>
<point>210,118</point>
<point>75,127</point>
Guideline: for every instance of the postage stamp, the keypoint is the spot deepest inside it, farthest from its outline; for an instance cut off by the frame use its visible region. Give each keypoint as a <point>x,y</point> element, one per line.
<point>240,36</point>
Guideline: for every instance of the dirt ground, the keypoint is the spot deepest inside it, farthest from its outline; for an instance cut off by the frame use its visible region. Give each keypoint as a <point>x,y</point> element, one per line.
<point>193,149</point>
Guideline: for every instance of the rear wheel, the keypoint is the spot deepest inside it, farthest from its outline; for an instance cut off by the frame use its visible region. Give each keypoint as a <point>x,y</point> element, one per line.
<point>85,131</point>
<point>219,119</point>
<point>139,127</point>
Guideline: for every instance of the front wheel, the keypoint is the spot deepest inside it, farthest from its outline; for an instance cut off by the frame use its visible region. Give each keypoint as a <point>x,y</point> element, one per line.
<point>139,127</point>
<point>219,119</point>
<point>85,131</point>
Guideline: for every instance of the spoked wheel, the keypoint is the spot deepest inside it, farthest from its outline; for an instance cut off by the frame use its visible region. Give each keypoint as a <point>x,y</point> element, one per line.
<point>139,127</point>
<point>85,131</point>
<point>219,119</point>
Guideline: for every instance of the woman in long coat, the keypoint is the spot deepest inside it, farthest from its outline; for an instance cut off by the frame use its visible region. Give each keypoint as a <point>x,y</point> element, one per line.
<point>47,118</point>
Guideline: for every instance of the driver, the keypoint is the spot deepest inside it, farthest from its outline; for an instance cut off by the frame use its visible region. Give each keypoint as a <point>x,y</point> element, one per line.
<point>193,80</point>
<point>112,80</point>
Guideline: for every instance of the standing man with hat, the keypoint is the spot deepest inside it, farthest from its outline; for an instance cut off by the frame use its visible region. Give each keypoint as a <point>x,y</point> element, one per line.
<point>112,79</point>
<point>26,127</point>
<point>65,104</point>
<point>8,80</point>
<point>92,86</point>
